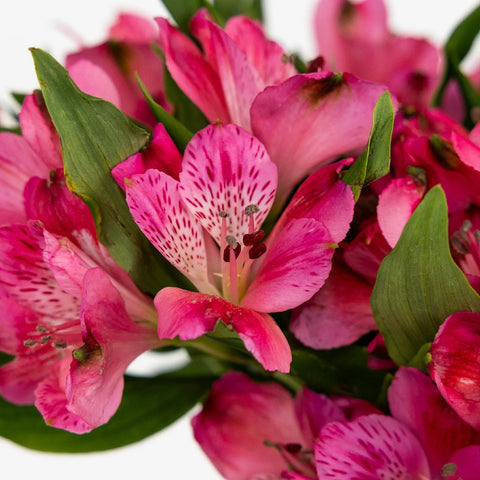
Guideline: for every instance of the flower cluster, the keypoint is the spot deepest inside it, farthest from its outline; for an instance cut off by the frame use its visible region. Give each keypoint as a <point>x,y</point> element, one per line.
<point>307,232</point>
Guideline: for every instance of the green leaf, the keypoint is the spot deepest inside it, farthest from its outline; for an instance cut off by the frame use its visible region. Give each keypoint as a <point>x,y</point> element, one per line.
<point>418,284</point>
<point>95,137</point>
<point>182,11</point>
<point>148,405</point>
<point>340,371</point>
<point>374,162</point>
<point>180,135</point>
<point>230,8</point>
<point>456,49</point>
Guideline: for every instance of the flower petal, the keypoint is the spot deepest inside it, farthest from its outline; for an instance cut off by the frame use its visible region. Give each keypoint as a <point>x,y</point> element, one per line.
<point>295,267</point>
<point>311,119</point>
<point>157,208</point>
<point>189,315</point>
<point>227,169</point>
<point>338,314</point>
<point>192,73</point>
<point>111,340</point>
<point>454,364</point>
<point>467,463</point>
<point>369,447</point>
<point>237,419</point>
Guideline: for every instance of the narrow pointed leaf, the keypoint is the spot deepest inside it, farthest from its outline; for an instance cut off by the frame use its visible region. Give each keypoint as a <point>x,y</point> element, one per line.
<point>182,11</point>
<point>374,162</point>
<point>163,400</point>
<point>230,8</point>
<point>179,133</point>
<point>418,284</point>
<point>456,49</point>
<point>95,136</point>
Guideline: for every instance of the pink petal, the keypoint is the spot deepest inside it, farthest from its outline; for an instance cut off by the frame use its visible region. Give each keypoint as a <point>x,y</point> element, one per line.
<point>51,402</point>
<point>454,364</point>
<point>60,211</point>
<point>28,280</point>
<point>40,134</point>
<point>133,28</point>
<point>324,197</point>
<point>467,150</point>
<point>239,79</point>
<point>370,447</point>
<point>161,154</point>
<point>227,169</point>
<point>338,314</point>
<point>296,265</point>
<point>157,208</point>
<point>467,462</point>
<point>415,402</point>
<point>312,118</point>
<point>237,418</point>
<point>111,341</point>
<point>396,204</point>
<point>192,73</point>
<point>267,56</point>
<point>189,315</point>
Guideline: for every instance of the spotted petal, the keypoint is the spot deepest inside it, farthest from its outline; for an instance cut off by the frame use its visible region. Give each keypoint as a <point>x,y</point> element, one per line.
<point>189,315</point>
<point>227,169</point>
<point>370,447</point>
<point>156,206</point>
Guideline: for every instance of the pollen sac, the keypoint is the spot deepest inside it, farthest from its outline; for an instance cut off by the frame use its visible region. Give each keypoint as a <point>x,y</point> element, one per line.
<point>251,209</point>
<point>257,251</point>
<point>226,252</point>
<point>253,238</point>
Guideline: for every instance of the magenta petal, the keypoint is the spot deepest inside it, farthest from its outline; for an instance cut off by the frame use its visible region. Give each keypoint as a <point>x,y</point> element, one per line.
<point>467,150</point>
<point>157,208</point>
<point>370,448</point>
<point>189,315</point>
<point>266,56</point>
<point>133,28</point>
<point>396,204</point>
<point>467,462</point>
<point>227,169</point>
<point>192,73</point>
<point>111,340</point>
<point>237,418</point>
<point>415,401</point>
<point>161,154</point>
<point>338,314</point>
<point>295,267</point>
<point>454,365</point>
<point>313,118</point>
<point>52,403</point>
<point>239,79</point>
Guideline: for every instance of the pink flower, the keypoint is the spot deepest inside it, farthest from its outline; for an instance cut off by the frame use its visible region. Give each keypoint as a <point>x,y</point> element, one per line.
<point>239,62</point>
<point>207,225</point>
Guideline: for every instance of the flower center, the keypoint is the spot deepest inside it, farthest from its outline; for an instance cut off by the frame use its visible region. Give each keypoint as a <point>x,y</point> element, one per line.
<point>466,243</point>
<point>54,336</point>
<point>298,459</point>
<point>237,257</point>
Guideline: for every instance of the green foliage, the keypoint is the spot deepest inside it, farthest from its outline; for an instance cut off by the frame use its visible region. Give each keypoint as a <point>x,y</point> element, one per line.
<point>456,49</point>
<point>163,400</point>
<point>374,162</point>
<point>418,284</point>
<point>230,8</point>
<point>340,371</point>
<point>95,137</point>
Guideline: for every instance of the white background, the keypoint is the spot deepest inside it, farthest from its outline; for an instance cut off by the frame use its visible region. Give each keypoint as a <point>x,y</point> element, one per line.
<point>61,26</point>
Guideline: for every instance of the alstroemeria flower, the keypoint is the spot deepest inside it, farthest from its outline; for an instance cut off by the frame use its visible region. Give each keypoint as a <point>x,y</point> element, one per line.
<point>207,225</point>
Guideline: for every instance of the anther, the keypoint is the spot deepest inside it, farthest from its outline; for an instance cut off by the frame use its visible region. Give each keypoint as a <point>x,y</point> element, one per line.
<point>61,344</point>
<point>41,329</point>
<point>45,339</point>
<point>293,448</point>
<point>253,238</point>
<point>251,209</point>
<point>30,342</point>
<point>232,245</point>
<point>223,214</point>
<point>257,251</point>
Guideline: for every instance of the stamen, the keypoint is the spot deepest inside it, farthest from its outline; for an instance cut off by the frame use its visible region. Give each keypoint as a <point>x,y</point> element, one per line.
<point>60,344</point>
<point>233,246</point>
<point>223,214</point>
<point>253,238</point>
<point>45,339</point>
<point>29,342</point>
<point>41,329</point>
<point>250,211</point>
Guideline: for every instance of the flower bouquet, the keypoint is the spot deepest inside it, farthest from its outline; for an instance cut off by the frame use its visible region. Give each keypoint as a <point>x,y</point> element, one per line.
<point>305,232</point>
